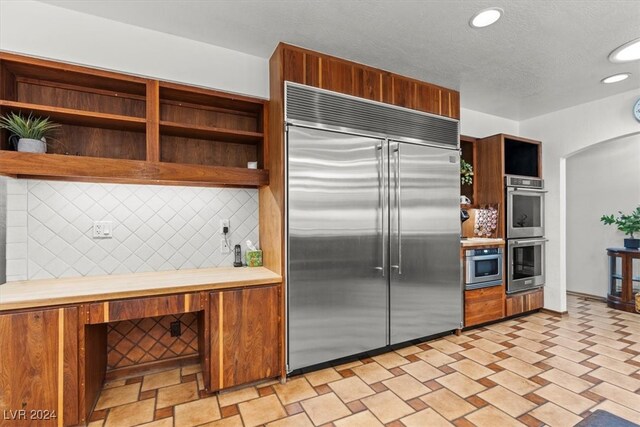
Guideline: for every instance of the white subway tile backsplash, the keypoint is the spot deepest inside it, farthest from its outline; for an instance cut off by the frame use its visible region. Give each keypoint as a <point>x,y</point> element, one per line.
<point>155,228</point>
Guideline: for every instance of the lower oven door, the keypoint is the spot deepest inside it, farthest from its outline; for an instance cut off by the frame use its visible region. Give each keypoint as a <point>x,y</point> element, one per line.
<point>525,264</point>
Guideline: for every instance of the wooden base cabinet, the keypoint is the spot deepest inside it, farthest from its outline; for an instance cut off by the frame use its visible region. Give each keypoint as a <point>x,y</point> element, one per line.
<point>245,336</point>
<point>524,302</point>
<point>483,305</point>
<point>38,372</point>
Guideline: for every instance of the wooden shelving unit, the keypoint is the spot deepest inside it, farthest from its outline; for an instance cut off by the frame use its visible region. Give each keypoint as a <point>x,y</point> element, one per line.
<point>122,128</point>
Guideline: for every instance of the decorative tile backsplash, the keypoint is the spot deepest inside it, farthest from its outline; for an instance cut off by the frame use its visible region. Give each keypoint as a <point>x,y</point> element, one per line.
<point>155,228</point>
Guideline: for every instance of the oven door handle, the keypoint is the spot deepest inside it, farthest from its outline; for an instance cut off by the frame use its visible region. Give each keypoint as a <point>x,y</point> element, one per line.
<point>526,242</point>
<point>529,190</point>
<point>483,257</point>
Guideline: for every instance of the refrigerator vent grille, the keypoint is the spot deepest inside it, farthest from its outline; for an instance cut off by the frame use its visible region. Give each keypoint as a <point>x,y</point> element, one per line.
<point>320,106</point>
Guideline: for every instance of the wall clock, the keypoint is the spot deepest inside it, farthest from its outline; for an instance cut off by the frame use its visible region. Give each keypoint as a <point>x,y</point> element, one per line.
<point>636,110</point>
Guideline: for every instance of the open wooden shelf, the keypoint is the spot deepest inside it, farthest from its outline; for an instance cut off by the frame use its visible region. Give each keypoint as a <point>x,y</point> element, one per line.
<point>78,117</point>
<point>55,166</point>
<point>121,128</point>
<point>207,132</point>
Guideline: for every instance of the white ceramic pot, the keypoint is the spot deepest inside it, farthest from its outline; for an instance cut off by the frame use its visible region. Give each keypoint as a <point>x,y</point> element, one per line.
<point>28,145</point>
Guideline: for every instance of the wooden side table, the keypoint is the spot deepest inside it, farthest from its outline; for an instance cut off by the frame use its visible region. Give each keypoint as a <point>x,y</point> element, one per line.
<point>624,278</point>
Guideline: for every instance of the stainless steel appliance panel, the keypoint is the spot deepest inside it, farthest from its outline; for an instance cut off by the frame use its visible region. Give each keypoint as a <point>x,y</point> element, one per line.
<point>337,286</point>
<point>483,267</point>
<point>526,264</point>
<point>426,286</point>
<point>525,213</point>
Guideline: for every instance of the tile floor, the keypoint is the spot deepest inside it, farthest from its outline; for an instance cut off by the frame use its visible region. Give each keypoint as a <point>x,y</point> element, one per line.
<point>534,370</point>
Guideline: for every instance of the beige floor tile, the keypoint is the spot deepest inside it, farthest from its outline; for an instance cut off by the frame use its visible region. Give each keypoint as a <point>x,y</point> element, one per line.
<point>386,406</point>
<point>261,411</point>
<point>568,381</point>
<point>501,328</point>
<point>405,351</point>
<point>618,345</point>
<point>298,420</point>
<point>372,373</point>
<point>534,327</point>
<point>532,335</point>
<point>118,396</point>
<point>565,398</point>
<point>507,401</point>
<point>566,333</point>
<point>619,395</point>
<point>569,343</point>
<point>237,396</point>
<point>323,376</point>
<point>349,365</point>
<point>191,369</point>
<point>294,390</point>
<point>235,421</point>
<point>610,352</point>
<point>426,417</point>
<point>406,387</point>
<point>422,371</point>
<point>488,346</point>
<point>555,416</point>
<point>492,417</point>
<point>524,355</point>
<point>350,389</point>
<point>514,382</point>
<point>528,344</point>
<point>165,422</point>
<point>361,419</point>
<point>114,383</point>
<point>448,404</point>
<point>325,408</point>
<point>131,414</point>
<point>480,356</point>
<point>176,394</point>
<point>619,410</point>
<point>458,339</point>
<point>472,369</point>
<point>98,423</point>
<point>445,346</point>
<point>390,360</point>
<point>604,333</point>
<point>602,325</point>
<point>616,378</point>
<point>161,379</point>
<point>435,357</point>
<point>494,336</point>
<point>521,368</point>
<point>197,412</point>
<point>568,366</point>
<point>613,364</point>
<point>461,385</point>
<point>200,381</point>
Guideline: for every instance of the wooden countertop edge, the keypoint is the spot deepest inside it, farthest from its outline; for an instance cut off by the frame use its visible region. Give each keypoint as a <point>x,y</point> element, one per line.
<point>101,295</point>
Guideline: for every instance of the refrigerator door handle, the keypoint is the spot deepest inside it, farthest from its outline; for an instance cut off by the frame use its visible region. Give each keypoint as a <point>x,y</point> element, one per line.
<point>398,184</point>
<point>380,148</point>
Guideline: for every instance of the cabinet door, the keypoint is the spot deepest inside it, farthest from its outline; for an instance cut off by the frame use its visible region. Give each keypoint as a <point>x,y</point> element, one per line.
<point>38,373</point>
<point>483,305</point>
<point>245,336</point>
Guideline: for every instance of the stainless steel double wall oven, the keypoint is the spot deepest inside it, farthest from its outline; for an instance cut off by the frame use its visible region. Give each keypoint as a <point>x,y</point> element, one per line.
<point>525,233</point>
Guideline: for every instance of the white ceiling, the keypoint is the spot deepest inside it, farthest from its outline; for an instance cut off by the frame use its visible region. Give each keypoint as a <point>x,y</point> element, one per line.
<point>540,57</point>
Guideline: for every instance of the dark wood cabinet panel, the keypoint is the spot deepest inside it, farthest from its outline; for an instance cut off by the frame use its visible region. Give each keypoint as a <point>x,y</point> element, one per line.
<point>336,75</point>
<point>311,69</point>
<point>402,92</point>
<point>39,365</point>
<point>367,83</point>
<point>428,99</point>
<point>483,305</point>
<point>245,336</point>
<point>524,302</point>
<point>295,69</point>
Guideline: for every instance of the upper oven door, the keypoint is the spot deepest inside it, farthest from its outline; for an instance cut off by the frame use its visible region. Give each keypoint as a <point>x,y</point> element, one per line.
<point>525,213</point>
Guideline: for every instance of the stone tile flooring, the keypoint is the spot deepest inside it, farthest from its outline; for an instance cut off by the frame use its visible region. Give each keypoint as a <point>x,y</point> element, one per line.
<point>535,370</point>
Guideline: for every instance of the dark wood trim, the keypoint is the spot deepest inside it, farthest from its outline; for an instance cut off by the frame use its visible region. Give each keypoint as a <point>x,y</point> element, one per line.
<point>153,121</point>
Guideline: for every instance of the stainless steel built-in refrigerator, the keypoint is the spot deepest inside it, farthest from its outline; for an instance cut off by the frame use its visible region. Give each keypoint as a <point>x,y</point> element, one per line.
<point>373,229</point>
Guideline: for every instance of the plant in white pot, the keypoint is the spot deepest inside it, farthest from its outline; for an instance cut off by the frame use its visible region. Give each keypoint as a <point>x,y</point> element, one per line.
<point>30,131</point>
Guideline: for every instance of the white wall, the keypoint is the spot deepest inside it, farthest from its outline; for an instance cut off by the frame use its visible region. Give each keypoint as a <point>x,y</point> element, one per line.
<point>602,179</point>
<point>155,227</point>
<point>477,124</point>
<point>563,133</point>
<point>70,36</point>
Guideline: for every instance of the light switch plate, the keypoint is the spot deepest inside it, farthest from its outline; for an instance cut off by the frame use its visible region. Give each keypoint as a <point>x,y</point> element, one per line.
<point>224,247</point>
<point>102,229</point>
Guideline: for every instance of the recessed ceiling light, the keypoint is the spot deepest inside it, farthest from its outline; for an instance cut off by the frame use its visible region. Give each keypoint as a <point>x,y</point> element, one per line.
<point>486,17</point>
<point>627,52</point>
<point>616,78</point>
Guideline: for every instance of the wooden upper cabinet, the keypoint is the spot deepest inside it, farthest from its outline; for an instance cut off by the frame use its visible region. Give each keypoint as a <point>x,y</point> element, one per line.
<point>327,72</point>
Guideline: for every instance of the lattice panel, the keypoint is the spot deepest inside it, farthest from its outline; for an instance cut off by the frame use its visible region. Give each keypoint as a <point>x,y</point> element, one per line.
<point>139,341</point>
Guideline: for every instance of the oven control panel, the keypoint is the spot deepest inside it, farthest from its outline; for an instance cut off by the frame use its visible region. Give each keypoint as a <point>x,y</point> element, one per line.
<point>515,181</point>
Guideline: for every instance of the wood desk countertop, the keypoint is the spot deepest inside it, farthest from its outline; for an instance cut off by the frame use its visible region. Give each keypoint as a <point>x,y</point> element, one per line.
<point>51,292</point>
<point>481,241</point>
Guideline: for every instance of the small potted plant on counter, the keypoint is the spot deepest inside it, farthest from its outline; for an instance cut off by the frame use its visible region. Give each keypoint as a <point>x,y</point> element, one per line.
<point>628,224</point>
<point>31,132</point>
<point>466,172</point>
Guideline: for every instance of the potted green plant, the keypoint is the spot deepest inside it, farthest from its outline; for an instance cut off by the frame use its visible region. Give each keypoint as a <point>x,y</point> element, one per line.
<point>628,224</point>
<point>31,132</point>
<point>466,172</point>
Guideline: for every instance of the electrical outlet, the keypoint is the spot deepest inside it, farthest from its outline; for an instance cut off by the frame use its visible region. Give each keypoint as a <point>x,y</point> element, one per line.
<point>224,248</point>
<point>102,229</point>
<point>174,328</point>
<point>224,223</point>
